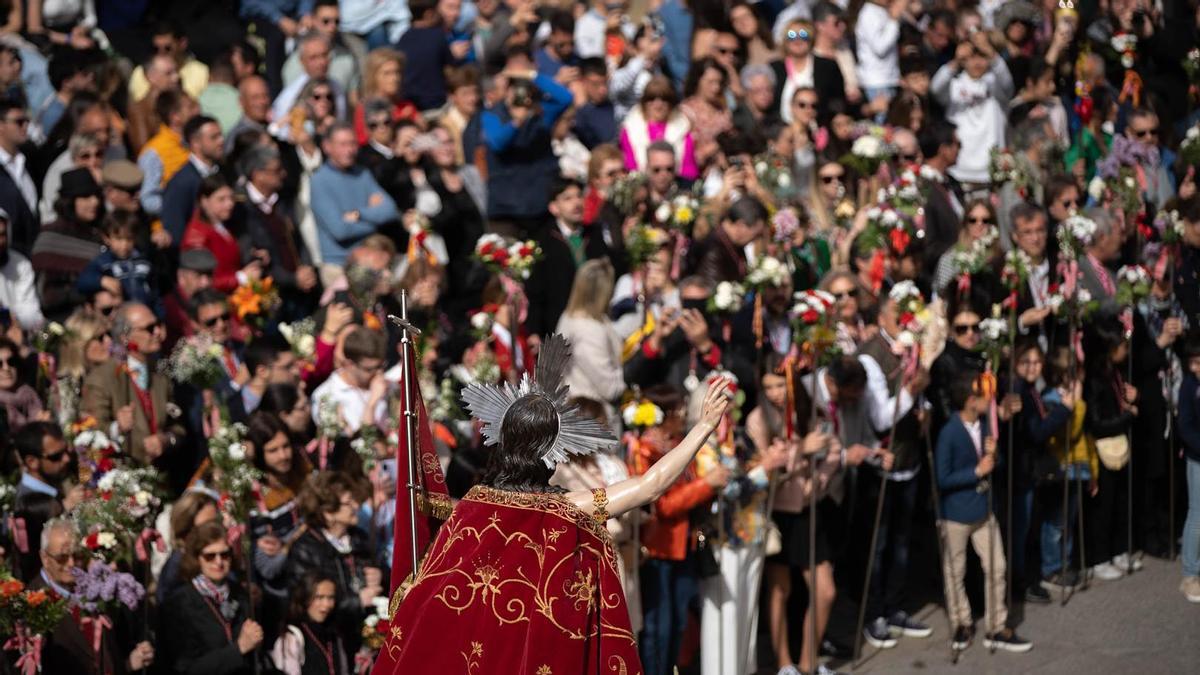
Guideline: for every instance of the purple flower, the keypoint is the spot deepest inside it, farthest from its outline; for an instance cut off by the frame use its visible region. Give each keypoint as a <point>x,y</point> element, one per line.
<point>100,585</point>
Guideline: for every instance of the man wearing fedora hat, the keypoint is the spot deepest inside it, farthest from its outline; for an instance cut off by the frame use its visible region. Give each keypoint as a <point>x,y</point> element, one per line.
<point>194,274</point>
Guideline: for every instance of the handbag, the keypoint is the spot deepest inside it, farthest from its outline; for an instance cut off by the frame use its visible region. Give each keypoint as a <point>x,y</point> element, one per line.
<point>1113,451</point>
<point>773,541</point>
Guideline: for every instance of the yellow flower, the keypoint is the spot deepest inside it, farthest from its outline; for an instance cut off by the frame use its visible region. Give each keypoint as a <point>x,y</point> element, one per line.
<point>647,415</point>
<point>684,214</point>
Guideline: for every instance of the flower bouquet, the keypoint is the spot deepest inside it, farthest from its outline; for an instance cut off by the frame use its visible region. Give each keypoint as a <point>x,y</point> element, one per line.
<point>1133,284</point>
<point>643,242</point>
<point>775,174</point>
<point>1191,65</point>
<point>640,415</point>
<point>1169,226</point>
<point>871,148</point>
<point>727,299</point>
<point>1074,235</point>
<point>973,258</point>
<point>254,301</point>
<point>627,191</point>
<point>26,617</point>
<point>888,228</point>
<point>97,453</point>
<point>784,225</point>
<point>679,213</point>
<point>197,361</point>
<point>117,523</point>
<point>911,313</point>
<point>812,325</point>
<point>1005,167</point>
<point>1189,149</point>
<point>100,589</point>
<point>234,477</point>
<point>377,627</point>
<point>301,337</point>
<point>993,337</point>
<point>767,271</point>
<point>514,260</point>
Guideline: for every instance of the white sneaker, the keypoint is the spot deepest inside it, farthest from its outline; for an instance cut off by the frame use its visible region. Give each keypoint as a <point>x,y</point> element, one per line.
<point>1121,562</point>
<point>1106,572</point>
<point>1190,587</point>
<point>789,670</point>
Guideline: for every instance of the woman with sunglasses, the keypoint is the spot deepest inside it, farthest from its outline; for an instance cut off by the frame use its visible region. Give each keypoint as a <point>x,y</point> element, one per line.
<point>961,353</point>
<point>383,78</point>
<point>801,69</point>
<point>309,644</point>
<point>656,118</point>
<point>208,230</point>
<point>87,345</point>
<point>333,544</point>
<point>831,204</point>
<point>978,224</point>
<point>206,629</point>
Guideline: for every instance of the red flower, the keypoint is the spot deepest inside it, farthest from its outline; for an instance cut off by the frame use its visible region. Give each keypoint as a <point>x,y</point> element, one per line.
<point>383,627</point>
<point>420,236</point>
<point>10,587</point>
<point>810,317</point>
<point>525,251</point>
<point>900,240</point>
<point>92,541</point>
<point>906,318</point>
<point>106,496</point>
<point>104,465</point>
<point>486,248</point>
<point>500,257</point>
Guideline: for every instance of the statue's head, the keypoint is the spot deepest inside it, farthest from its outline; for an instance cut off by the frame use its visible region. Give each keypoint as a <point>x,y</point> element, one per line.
<point>527,432</point>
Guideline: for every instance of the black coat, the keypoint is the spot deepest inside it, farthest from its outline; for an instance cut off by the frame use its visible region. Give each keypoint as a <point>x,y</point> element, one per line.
<point>953,361</point>
<point>460,223</point>
<point>827,81</point>
<point>179,201</point>
<point>942,223</point>
<point>312,552</point>
<point>280,237</point>
<point>549,284</point>
<point>23,224</point>
<point>717,259</point>
<point>192,639</point>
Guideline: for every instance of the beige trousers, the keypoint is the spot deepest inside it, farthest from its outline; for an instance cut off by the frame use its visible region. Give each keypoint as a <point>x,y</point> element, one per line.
<point>954,568</point>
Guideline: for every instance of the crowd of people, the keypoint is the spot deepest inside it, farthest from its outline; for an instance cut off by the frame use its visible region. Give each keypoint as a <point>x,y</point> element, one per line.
<point>947,250</point>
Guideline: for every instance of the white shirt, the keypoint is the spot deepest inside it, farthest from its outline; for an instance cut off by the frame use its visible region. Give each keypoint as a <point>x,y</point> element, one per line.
<point>264,204</point>
<point>350,401</point>
<point>204,168</point>
<point>878,58</point>
<point>975,431</point>
<point>17,291</point>
<point>1039,282</point>
<point>15,166</point>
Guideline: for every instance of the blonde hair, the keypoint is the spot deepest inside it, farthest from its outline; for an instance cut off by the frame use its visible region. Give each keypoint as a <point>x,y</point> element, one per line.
<point>82,326</point>
<point>375,60</point>
<point>592,290</point>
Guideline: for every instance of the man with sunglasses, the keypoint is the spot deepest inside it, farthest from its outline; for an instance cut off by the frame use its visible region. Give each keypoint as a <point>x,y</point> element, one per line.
<point>69,647</point>
<point>128,396</point>
<point>18,193</point>
<point>343,64</point>
<point>1142,127</point>
<point>168,39</point>
<point>45,463</point>
<point>17,290</point>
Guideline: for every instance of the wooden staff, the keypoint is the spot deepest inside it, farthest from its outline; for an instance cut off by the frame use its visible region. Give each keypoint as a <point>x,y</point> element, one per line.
<point>951,606</point>
<point>1012,418</point>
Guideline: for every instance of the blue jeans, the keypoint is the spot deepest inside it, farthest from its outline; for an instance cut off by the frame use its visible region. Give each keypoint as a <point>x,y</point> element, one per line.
<point>1053,528</point>
<point>668,589</point>
<point>1191,528</point>
<point>886,595</point>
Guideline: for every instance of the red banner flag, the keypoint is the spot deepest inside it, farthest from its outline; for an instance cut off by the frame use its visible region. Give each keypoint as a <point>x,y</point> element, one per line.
<point>432,498</point>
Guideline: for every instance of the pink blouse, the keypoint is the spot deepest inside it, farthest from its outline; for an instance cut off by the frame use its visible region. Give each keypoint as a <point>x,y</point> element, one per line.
<point>655,131</point>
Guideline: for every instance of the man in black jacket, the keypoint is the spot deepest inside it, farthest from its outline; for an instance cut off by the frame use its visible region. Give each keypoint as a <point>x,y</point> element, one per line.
<point>565,246</point>
<point>943,211</point>
<point>18,194</point>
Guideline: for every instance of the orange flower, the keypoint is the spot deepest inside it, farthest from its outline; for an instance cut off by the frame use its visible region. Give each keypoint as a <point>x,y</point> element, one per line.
<point>246,301</point>
<point>265,286</point>
<point>371,321</point>
<point>35,598</point>
<point>10,587</point>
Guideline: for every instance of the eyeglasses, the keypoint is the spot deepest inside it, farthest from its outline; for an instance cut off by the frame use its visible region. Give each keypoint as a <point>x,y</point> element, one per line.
<point>84,156</point>
<point>725,51</point>
<point>150,327</point>
<point>213,556</point>
<point>55,456</point>
<point>662,169</point>
<point>1069,203</point>
<point>964,328</point>
<point>321,96</point>
<point>801,35</point>
<point>844,295</point>
<point>62,558</point>
<point>10,362</point>
<point>1146,132</point>
<point>212,321</point>
<point>378,123</point>
<point>832,179</point>
<point>976,220</point>
<point>804,105</point>
<point>910,158</point>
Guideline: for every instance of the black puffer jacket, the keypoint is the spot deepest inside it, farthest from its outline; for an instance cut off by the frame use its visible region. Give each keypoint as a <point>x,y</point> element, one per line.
<point>312,551</point>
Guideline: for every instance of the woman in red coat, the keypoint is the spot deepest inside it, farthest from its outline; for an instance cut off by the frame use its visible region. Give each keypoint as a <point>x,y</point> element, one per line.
<point>207,230</point>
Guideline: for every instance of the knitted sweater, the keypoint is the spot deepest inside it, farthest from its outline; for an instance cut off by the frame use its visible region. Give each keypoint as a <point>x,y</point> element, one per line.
<point>336,193</point>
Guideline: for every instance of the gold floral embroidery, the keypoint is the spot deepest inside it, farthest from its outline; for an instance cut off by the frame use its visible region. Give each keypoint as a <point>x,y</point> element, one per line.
<point>473,657</point>
<point>619,666</point>
<point>467,582</point>
<point>544,670</point>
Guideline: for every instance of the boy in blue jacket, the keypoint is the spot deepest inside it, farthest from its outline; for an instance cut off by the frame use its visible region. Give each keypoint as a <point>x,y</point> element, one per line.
<point>120,268</point>
<point>964,461</point>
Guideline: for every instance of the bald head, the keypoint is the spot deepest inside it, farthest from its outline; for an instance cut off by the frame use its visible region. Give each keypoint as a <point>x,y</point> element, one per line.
<point>255,98</point>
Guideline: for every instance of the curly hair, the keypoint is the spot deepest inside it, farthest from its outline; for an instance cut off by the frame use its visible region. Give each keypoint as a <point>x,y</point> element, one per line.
<point>322,494</point>
<point>208,533</point>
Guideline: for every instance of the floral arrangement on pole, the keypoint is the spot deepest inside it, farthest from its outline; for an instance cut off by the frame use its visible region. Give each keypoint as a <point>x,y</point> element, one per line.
<point>514,260</point>
<point>784,225</point>
<point>627,191</point>
<point>767,271</point>
<point>1014,274</point>
<point>254,301</point>
<point>1191,65</point>
<point>47,342</point>
<point>872,147</point>
<point>641,414</point>
<point>363,444</point>
<point>329,428</point>
<point>812,326</point>
<point>993,339</point>
<point>643,242</point>
<point>1189,149</point>
<point>973,258</point>
<point>301,337</point>
<point>1133,284</point>
<point>101,591</point>
<point>1006,167</point>
<point>198,361</point>
<point>376,629</point>
<point>679,213</point>
<point>727,299</point>
<point>117,523</point>
<point>26,617</point>
<point>775,174</point>
<point>97,454</point>
<point>912,315</point>
<point>1118,176</point>
<point>234,476</point>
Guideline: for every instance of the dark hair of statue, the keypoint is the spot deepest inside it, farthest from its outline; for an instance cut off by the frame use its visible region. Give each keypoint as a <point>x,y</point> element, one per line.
<point>526,433</point>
